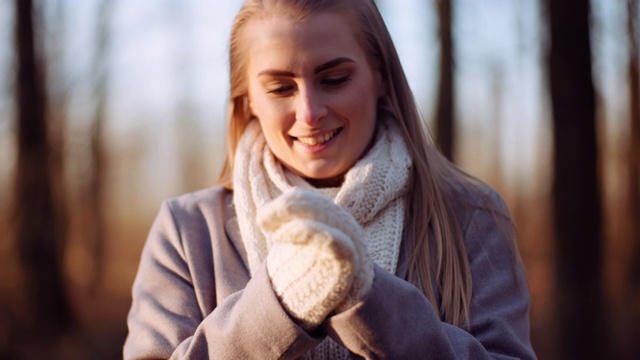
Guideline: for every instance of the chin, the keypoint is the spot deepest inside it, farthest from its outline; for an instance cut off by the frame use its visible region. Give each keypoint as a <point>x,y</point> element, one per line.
<point>320,179</point>
<point>320,175</point>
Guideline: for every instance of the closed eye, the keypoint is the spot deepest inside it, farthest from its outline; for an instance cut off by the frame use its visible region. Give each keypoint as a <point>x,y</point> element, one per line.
<point>335,82</point>
<point>281,90</point>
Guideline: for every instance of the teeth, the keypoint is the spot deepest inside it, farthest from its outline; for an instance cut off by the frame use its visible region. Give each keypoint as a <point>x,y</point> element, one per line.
<point>317,139</point>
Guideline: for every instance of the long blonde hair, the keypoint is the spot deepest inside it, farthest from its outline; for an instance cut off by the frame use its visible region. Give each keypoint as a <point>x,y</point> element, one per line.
<point>432,236</point>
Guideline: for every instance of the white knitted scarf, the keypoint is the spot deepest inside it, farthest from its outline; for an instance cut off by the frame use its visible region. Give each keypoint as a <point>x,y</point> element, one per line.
<point>372,192</point>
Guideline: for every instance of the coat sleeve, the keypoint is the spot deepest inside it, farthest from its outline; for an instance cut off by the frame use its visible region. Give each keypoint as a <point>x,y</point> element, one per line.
<point>167,320</point>
<point>396,321</point>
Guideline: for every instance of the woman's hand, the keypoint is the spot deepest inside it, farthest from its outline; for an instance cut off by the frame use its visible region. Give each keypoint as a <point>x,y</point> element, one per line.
<point>318,262</point>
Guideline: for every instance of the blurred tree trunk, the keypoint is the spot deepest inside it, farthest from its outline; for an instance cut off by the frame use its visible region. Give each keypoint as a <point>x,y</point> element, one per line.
<point>577,208</point>
<point>633,273</point>
<point>445,117</point>
<point>94,196</point>
<point>634,138</point>
<point>39,228</point>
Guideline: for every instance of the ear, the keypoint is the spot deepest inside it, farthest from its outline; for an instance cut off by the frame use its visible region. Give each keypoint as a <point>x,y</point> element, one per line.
<point>246,103</point>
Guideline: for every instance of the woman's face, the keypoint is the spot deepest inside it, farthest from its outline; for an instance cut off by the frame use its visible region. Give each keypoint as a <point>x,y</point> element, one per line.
<point>314,93</point>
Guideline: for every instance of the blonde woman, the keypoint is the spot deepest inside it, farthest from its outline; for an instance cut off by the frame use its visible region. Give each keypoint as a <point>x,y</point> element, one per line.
<point>337,230</point>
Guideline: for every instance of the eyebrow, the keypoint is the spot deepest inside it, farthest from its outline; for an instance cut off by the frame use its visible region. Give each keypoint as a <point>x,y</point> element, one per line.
<point>328,65</point>
<point>331,64</point>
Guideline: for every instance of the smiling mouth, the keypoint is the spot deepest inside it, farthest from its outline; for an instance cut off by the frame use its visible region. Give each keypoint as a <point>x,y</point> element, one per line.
<point>318,140</point>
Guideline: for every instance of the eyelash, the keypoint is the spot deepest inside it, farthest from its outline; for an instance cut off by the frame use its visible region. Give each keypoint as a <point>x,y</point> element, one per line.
<point>336,82</point>
<point>331,83</point>
<point>280,90</point>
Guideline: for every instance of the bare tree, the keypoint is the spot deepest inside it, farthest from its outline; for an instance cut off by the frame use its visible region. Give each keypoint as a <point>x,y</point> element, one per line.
<point>95,186</point>
<point>38,226</point>
<point>633,31</point>
<point>445,116</point>
<point>576,191</point>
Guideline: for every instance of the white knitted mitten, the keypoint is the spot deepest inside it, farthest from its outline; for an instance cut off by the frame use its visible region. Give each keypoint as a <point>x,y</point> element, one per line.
<point>311,269</point>
<point>330,222</point>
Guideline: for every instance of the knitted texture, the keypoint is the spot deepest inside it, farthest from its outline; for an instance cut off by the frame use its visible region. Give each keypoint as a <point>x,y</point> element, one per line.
<point>335,227</point>
<point>371,194</point>
<point>310,264</point>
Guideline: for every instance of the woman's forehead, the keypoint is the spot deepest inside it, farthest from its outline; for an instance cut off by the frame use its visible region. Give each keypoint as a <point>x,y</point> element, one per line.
<point>284,42</point>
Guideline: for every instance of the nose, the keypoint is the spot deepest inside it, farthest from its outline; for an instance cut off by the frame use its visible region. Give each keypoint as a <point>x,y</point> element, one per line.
<point>310,107</point>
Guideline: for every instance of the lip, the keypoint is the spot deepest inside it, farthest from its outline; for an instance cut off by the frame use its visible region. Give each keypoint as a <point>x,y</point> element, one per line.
<point>318,146</point>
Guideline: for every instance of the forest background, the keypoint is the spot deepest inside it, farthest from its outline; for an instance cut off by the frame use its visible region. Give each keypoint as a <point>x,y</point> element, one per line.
<point>107,107</point>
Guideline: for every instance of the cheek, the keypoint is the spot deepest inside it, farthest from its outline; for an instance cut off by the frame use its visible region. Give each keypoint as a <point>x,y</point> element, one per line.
<point>273,119</point>
<point>274,123</point>
<point>267,109</point>
<point>274,138</point>
<point>361,109</point>
<point>365,93</point>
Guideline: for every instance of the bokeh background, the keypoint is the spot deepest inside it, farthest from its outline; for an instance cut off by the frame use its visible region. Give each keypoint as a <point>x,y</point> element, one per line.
<point>109,106</point>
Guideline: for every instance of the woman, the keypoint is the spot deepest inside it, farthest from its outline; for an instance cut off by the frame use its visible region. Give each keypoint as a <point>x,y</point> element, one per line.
<point>337,230</point>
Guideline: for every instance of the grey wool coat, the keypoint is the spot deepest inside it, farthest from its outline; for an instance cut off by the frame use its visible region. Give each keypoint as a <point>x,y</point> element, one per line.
<point>193,297</point>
